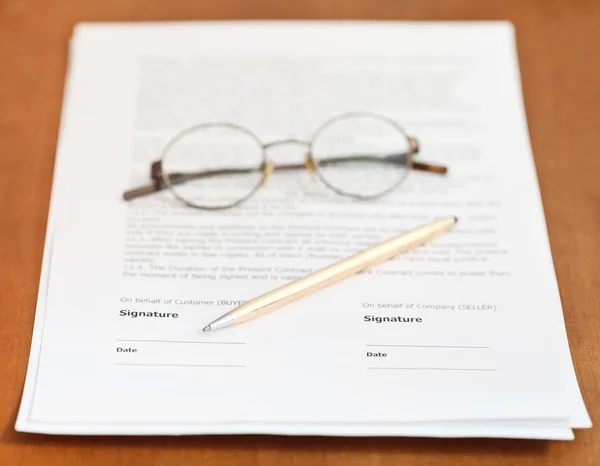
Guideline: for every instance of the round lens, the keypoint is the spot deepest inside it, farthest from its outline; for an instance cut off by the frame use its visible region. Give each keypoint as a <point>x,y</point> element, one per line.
<point>361,154</point>
<point>213,166</point>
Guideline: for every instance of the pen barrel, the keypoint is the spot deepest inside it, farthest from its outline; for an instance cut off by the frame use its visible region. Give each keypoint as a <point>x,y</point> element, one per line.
<point>340,270</point>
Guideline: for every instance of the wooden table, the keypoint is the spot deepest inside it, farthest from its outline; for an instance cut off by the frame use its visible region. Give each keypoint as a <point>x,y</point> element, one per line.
<point>558,45</point>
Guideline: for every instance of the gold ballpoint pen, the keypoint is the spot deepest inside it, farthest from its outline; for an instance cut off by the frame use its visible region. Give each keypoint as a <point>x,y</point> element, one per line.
<point>332,274</point>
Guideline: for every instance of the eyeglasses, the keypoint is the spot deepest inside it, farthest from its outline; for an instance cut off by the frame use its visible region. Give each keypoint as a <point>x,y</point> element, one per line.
<point>214,166</point>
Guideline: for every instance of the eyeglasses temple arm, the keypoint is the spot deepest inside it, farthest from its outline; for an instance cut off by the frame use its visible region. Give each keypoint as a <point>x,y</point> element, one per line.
<point>393,158</point>
<point>177,178</point>
<point>141,191</point>
<point>429,167</point>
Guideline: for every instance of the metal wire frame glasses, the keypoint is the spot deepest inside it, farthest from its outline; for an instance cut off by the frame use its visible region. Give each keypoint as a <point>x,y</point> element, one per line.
<point>359,154</point>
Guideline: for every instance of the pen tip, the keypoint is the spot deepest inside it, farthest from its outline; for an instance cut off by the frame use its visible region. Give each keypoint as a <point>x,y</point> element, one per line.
<point>455,219</point>
<point>206,329</point>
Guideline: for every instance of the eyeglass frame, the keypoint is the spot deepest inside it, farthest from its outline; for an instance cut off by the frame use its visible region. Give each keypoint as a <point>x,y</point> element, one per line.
<point>162,180</point>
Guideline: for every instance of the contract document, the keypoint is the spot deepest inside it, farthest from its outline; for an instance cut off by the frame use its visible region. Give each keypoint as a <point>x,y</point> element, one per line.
<point>463,336</point>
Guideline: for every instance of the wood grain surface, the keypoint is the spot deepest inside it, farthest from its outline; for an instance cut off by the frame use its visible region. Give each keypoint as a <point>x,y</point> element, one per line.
<point>559,53</point>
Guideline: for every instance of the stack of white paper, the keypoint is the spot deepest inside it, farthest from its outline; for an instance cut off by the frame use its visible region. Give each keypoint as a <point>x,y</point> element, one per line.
<point>126,287</point>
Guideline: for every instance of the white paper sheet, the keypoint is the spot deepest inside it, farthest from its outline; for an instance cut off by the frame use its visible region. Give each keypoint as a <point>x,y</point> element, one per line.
<point>490,353</point>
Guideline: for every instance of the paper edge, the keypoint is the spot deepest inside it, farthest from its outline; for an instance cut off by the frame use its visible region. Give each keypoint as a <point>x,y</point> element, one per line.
<point>579,417</point>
